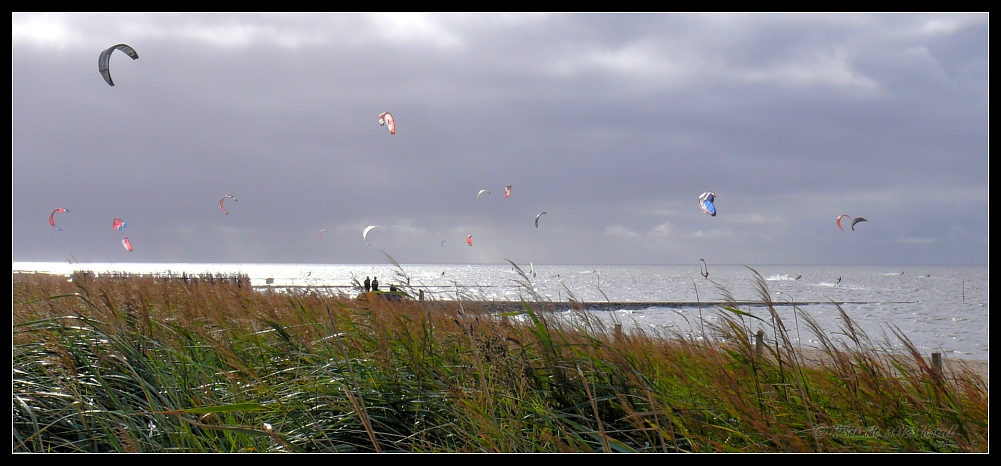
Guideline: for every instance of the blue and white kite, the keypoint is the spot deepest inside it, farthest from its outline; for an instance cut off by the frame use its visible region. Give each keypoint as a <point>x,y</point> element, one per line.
<point>706,203</point>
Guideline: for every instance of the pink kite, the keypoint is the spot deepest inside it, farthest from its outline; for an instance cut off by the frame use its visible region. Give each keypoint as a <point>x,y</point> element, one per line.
<point>839,221</point>
<point>52,220</point>
<point>469,240</point>
<point>507,191</point>
<point>386,119</point>
<point>127,244</point>
<point>118,224</point>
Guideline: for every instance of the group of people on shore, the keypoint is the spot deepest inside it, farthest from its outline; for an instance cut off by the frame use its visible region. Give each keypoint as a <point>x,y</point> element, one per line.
<point>373,285</point>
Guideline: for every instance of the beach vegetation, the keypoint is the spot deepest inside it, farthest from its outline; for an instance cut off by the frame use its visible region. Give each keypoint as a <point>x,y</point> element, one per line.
<point>140,363</point>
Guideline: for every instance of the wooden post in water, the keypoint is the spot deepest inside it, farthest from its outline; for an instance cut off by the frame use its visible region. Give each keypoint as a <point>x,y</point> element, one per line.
<point>759,342</point>
<point>936,362</point>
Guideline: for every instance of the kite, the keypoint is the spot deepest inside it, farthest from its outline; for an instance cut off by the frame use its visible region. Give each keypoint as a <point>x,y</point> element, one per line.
<point>386,119</point>
<point>839,221</point>
<point>223,206</point>
<point>127,244</point>
<point>481,192</point>
<point>507,191</point>
<point>105,58</point>
<point>537,219</point>
<point>469,240</point>
<point>52,220</point>
<point>321,232</point>
<point>442,243</point>
<point>706,201</point>
<point>857,220</point>
<point>364,234</point>
<point>118,224</point>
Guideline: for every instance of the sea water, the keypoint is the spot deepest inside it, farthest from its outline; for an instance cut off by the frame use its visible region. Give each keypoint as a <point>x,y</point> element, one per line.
<point>938,308</point>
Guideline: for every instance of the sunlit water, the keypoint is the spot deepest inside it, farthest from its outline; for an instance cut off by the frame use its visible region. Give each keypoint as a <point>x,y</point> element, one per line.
<point>943,309</point>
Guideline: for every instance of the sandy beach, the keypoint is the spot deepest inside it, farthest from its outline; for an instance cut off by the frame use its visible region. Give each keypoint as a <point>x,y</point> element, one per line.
<point>978,366</point>
<point>953,366</point>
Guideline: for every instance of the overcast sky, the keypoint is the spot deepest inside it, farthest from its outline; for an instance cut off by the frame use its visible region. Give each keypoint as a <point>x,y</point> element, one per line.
<point>613,124</point>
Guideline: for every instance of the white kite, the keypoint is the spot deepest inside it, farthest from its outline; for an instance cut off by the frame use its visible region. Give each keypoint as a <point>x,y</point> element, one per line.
<point>364,234</point>
<point>222,204</point>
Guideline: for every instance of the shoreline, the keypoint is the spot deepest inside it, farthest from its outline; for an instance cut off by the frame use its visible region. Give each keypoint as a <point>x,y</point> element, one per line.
<point>979,365</point>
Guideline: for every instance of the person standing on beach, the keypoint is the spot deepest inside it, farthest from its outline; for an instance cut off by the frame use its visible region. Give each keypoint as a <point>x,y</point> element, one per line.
<point>375,284</point>
<point>368,285</point>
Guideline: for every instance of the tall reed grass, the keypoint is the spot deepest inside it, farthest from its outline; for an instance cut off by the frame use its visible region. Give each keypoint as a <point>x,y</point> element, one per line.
<point>145,364</point>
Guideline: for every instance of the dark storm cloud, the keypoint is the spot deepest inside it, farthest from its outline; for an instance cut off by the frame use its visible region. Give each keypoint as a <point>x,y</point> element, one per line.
<point>614,124</point>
